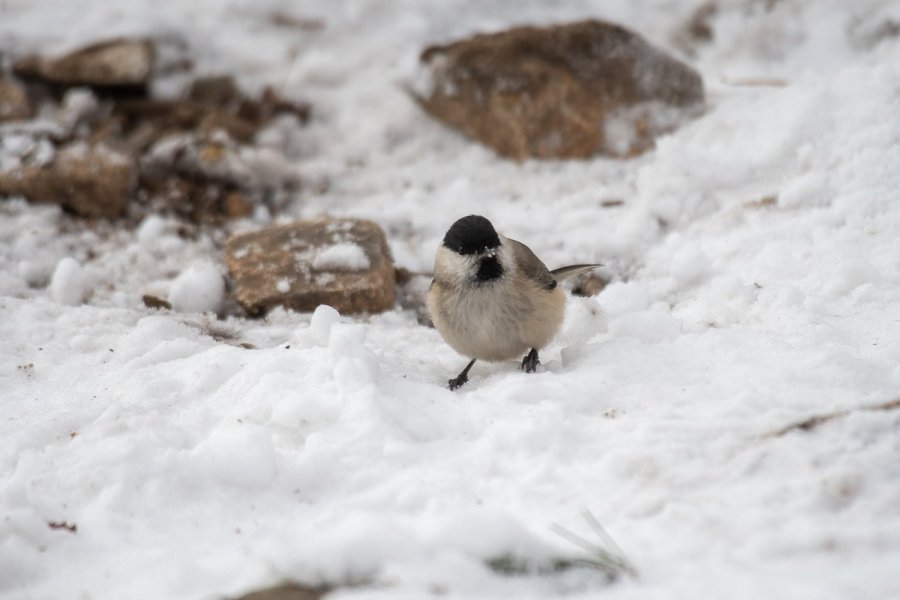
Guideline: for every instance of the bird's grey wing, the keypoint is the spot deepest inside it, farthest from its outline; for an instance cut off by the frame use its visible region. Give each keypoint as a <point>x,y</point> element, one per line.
<point>563,273</point>
<point>531,266</point>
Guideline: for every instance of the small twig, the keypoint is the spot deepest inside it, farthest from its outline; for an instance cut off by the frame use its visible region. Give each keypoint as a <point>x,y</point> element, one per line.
<point>73,528</point>
<point>816,420</point>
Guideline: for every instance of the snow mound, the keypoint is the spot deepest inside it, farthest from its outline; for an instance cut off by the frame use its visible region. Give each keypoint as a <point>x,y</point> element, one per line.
<point>68,284</point>
<point>199,288</point>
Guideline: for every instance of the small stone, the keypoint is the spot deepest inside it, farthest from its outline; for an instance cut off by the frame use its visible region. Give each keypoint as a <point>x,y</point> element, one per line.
<point>14,104</point>
<point>289,591</point>
<point>117,62</point>
<point>156,302</point>
<point>91,181</point>
<point>277,266</point>
<point>215,90</point>
<point>589,285</point>
<point>236,206</point>
<point>204,158</point>
<point>565,91</point>
<point>698,30</point>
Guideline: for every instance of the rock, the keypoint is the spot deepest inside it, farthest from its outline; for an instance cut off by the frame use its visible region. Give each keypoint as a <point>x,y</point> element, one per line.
<point>209,158</point>
<point>14,104</point>
<point>344,263</point>
<point>215,90</point>
<point>208,178</point>
<point>91,181</point>
<point>117,63</point>
<point>155,302</point>
<point>288,591</point>
<point>697,30</point>
<point>589,285</point>
<point>565,91</point>
<point>211,104</point>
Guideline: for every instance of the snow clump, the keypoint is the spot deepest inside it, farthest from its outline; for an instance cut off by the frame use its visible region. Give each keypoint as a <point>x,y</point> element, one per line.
<point>199,288</point>
<point>67,286</point>
<point>344,256</point>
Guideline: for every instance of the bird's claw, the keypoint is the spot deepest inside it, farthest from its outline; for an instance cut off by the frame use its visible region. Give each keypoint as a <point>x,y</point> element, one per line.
<point>531,361</point>
<point>457,382</point>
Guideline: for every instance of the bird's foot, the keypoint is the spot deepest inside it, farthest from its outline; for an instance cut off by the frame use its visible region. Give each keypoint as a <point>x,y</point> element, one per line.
<point>458,381</point>
<point>531,361</point>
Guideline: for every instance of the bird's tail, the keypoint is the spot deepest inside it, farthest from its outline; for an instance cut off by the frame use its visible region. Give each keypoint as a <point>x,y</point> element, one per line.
<point>563,273</point>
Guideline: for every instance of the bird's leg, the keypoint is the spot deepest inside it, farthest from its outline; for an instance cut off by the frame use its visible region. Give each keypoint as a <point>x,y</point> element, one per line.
<point>459,380</point>
<point>531,361</point>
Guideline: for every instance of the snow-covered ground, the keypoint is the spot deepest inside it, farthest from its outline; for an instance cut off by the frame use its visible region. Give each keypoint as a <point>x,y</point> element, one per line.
<point>756,260</point>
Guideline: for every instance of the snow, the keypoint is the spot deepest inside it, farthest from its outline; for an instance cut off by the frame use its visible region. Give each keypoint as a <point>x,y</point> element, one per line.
<point>199,288</point>
<point>67,286</point>
<point>195,467</point>
<point>345,256</point>
<point>283,286</point>
<point>151,229</point>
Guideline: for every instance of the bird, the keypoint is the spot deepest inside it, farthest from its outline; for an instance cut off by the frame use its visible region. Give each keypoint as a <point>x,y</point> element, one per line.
<point>492,299</point>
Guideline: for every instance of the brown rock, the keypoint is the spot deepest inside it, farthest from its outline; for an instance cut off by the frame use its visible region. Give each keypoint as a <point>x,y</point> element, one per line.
<point>236,206</point>
<point>91,181</point>
<point>589,285</point>
<point>566,91</point>
<point>289,591</point>
<point>155,302</point>
<point>14,104</point>
<point>215,90</point>
<point>344,263</point>
<point>698,30</point>
<point>111,63</point>
<point>209,105</point>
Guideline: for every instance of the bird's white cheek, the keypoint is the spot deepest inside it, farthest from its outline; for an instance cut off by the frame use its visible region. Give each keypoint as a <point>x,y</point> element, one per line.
<point>450,266</point>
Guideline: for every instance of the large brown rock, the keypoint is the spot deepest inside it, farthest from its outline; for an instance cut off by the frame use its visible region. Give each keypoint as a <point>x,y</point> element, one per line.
<point>91,181</point>
<point>565,91</point>
<point>344,263</point>
<point>111,63</point>
<point>14,104</point>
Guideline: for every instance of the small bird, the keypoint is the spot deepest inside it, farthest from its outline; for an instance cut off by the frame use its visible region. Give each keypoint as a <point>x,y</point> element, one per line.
<point>492,298</point>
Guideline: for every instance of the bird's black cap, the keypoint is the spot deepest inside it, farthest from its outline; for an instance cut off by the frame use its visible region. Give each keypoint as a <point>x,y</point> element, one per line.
<point>470,235</point>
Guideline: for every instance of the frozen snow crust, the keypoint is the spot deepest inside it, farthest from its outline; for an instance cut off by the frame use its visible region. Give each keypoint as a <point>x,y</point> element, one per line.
<point>756,260</point>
